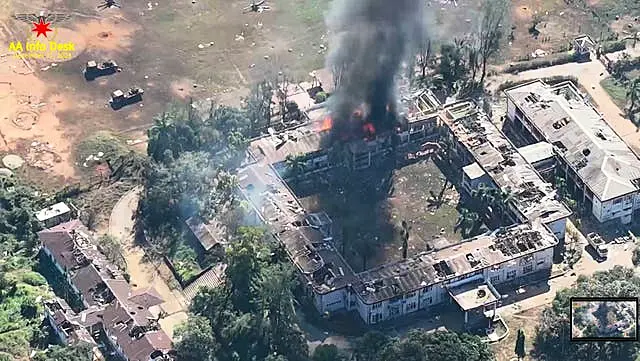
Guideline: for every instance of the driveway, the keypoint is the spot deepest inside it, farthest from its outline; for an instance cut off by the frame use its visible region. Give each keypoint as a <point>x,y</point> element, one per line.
<point>144,273</point>
<point>589,76</point>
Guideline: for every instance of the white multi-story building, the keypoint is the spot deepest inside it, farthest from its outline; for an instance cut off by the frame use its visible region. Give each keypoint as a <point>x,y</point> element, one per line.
<point>464,273</point>
<point>492,161</point>
<point>598,166</point>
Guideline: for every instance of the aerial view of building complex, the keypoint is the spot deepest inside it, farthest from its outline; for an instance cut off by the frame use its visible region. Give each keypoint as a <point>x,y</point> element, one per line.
<point>319,180</point>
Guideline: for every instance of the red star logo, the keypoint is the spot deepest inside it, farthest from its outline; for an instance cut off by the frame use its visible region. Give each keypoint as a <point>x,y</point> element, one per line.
<point>41,28</point>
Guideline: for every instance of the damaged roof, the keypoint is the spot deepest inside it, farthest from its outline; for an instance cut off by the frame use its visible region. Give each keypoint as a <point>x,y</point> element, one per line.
<point>532,196</point>
<point>317,260</point>
<point>471,256</point>
<point>581,136</point>
<point>302,140</point>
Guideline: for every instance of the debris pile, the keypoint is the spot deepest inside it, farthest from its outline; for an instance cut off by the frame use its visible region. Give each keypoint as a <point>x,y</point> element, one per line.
<point>42,156</point>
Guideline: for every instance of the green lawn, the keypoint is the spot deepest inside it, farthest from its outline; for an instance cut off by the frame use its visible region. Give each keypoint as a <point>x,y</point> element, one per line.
<point>616,90</point>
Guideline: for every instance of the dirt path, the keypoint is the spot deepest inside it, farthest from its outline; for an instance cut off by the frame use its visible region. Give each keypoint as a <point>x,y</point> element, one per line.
<point>589,75</point>
<point>144,274</point>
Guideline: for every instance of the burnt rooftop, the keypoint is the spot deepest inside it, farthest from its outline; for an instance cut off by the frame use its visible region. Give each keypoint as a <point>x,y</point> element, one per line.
<point>303,235</point>
<point>581,136</point>
<point>500,246</point>
<point>497,156</point>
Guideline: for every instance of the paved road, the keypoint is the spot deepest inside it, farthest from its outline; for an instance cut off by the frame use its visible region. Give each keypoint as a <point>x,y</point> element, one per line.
<point>144,274</point>
<point>589,76</point>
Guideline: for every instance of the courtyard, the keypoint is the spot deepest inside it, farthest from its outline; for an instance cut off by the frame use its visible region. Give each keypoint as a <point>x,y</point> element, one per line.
<point>369,210</point>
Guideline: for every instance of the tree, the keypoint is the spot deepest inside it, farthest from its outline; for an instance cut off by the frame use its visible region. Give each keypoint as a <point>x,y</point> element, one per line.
<point>190,186</point>
<point>519,350</point>
<point>436,346</point>
<point>370,346</point>
<point>258,107</point>
<point>327,353</point>
<point>276,302</point>
<point>552,341</point>
<point>492,25</point>
<point>424,57</point>
<point>468,222</point>
<point>633,96</point>
<point>452,67</point>
<point>113,250</point>
<point>405,238</point>
<point>296,164</point>
<point>78,352</point>
<point>196,340</point>
<point>251,315</point>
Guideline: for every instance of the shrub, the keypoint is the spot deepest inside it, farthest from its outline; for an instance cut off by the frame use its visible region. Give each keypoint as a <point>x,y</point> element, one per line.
<point>542,63</point>
<point>321,97</point>
<point>613,46</point>
<point>33,279</point>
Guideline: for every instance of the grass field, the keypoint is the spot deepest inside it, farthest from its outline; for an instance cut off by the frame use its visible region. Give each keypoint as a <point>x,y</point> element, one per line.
<point>369,214</point>
<point>616,90</point>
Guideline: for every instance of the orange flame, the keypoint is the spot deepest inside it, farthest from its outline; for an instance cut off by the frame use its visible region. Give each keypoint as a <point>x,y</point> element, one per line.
<point>369,130</point>
<point>327,123</point>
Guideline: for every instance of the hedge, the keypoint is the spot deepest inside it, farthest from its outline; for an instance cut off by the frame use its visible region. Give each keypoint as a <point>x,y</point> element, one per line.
<point>613,46</point>
<point>541,63</point>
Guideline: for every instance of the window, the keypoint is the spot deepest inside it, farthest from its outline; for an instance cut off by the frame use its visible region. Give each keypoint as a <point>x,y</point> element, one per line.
<point>426,289</point>
<point>429,300</point>
<point>528,268</point>
<point>409,295</point>
<point>376,306</point>
<point>540,261</point>
<point>511,275</point>
<point>495,279</point>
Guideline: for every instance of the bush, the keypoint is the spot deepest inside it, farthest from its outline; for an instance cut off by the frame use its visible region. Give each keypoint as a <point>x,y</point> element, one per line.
<point>110,145</point>
<point>635,257</point>
<point>321,97</point>
<point>613,46</point>
<point>33,279</point>
<point>541,63</point>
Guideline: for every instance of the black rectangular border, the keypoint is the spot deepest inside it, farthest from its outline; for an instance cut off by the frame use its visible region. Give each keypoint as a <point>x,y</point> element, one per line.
<point>602,299</point>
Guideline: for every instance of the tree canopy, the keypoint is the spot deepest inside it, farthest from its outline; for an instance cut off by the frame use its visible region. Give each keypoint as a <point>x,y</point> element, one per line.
<point>552,339</point>
<point>77,352</point>
<point>251,315</point>
<point>420,345</point>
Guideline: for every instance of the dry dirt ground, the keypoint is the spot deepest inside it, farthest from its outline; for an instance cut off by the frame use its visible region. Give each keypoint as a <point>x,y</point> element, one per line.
<point>174,50</point>
<point>146,273</point>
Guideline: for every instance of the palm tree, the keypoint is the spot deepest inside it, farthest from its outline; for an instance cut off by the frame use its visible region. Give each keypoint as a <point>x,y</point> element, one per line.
<point>561,186</point>
<point>468,222</point>
<point>295,164</point>
<point>633,96</point>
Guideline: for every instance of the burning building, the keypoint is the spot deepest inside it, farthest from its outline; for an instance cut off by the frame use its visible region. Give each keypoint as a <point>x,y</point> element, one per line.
<point>369,41</point>
<point>482,264</point>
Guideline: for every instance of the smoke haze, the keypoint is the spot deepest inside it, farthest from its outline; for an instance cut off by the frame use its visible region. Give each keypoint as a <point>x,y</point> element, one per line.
<point>369,41</point>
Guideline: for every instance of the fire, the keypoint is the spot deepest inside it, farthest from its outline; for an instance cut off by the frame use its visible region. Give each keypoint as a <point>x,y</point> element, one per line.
<point>369,130</point>
<point>327,123</point>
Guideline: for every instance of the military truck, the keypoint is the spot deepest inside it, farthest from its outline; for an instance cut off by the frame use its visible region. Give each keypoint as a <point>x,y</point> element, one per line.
<point>93,70</point>
<point>119,98</point>
<point>598,244</point>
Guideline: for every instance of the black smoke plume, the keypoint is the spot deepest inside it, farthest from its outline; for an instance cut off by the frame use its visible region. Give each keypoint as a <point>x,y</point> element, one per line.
<point>369,41</point>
